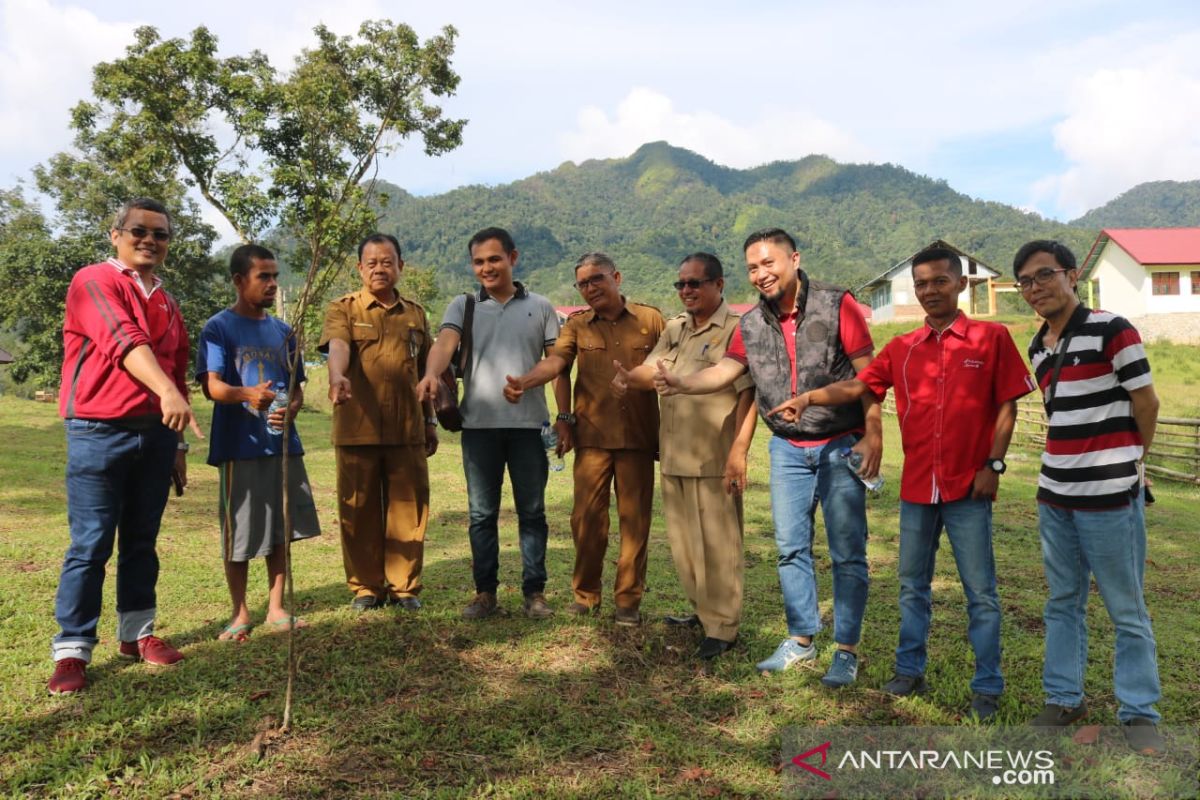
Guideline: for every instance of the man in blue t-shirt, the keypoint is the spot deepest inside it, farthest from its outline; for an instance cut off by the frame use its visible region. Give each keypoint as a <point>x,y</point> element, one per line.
<point>243,364</point>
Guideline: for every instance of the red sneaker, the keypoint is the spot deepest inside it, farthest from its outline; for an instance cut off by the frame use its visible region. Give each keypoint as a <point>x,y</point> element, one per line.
<point>152,650</point>
<point>70,675</point>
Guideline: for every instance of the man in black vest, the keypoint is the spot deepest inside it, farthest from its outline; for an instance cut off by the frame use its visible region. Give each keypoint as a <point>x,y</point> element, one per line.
<point>804,335</point>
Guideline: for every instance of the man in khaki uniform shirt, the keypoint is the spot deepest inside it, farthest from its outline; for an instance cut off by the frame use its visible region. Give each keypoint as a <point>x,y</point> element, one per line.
<point>377,342</point>
<point>703,469</point>
<point>615,438</point>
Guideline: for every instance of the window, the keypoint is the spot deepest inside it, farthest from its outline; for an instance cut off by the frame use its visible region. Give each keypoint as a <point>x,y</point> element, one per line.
<point>1196,283</point>
<point>882,296</point>
<point>1164,283</point>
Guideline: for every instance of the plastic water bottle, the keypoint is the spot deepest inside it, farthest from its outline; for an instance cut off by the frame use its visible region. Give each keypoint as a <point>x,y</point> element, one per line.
<point>550,442</point>
<point>280,402</point>
<point>853,461</point>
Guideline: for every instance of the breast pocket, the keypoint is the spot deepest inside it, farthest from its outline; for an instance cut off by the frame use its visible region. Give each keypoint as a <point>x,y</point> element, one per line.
<point>416,342</point>
<point>593,351</point>
<point>639,348</point>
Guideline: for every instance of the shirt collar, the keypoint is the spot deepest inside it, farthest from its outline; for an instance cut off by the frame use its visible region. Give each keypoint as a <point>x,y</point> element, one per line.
<point>368,299</point>
<point>717,319</point>
<point>624,310</point>
<point>1078,317</point>
<point>958,327</point>
<point>482,295</point>
<point>155,281</point>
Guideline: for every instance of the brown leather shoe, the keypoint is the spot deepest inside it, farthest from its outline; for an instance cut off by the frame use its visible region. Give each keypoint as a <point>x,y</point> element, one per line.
<point>578,609</point>
<point>629,617</point>
<point>536,606</point>
<point>482,606</point>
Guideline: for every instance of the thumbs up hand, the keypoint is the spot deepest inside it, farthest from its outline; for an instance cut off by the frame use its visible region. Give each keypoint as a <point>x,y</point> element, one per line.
<point>514,389</point>
<point>620,381</point>
<point>665,383</point>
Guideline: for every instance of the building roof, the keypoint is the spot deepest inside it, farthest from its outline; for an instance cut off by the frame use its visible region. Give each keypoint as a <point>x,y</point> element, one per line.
<point>1148,246</point>
<point>5,356</point>
<point>889,273</point>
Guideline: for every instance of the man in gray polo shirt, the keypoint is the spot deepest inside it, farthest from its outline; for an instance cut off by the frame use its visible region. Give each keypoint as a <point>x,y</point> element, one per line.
<point>512,329</point>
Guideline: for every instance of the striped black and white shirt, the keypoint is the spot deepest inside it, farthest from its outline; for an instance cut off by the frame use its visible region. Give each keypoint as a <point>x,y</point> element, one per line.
<point>1092,444</point>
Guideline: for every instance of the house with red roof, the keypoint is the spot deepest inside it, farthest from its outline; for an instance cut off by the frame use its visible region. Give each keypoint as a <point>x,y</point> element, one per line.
<point>1138,271</point>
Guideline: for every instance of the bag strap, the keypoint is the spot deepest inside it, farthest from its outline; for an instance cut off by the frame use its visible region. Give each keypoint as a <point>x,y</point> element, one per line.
<point>464,345</point>
<point>1060,357</point>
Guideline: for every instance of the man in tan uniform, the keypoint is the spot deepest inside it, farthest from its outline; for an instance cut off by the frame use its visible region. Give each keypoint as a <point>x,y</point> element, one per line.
<point>615,438</point>
<point>377,342</point>
<point>703,441</point>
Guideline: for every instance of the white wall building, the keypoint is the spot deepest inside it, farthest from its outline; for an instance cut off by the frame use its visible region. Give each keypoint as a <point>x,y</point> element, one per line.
<point>1138,271</point>
<point>891,296</point>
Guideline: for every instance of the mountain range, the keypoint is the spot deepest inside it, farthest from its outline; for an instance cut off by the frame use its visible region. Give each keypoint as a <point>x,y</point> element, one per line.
<point>850,221</point>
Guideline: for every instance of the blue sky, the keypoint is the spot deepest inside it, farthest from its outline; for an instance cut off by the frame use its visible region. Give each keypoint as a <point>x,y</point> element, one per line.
<point>1052,106</point>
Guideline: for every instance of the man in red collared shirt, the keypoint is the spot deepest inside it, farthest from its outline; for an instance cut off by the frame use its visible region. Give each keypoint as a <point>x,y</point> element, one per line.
<point>124,405</point>
<point>957,381</point>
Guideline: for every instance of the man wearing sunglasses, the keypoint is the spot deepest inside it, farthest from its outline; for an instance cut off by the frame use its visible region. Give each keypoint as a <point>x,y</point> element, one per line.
<point>124,402</point>
<point>703,441</point>
<point>615,438</point>
<point>1102,411</point>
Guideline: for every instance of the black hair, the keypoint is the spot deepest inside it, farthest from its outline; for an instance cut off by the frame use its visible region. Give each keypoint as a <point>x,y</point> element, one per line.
<point>1062,254</point>
<point>499,234</point>
<point>712,264</point>
<point>773,235</point>
<point>937,253</point>
<point>379,238</point>
<point>143,204</point>
<point>239,260</point>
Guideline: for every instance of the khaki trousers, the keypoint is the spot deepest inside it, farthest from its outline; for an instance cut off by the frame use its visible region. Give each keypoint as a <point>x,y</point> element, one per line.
<point>704,527</point>
<point>383,508</point>
<point>633,473</point>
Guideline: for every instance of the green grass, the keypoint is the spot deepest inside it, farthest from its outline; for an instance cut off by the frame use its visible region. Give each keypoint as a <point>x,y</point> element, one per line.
<point>425,704</point>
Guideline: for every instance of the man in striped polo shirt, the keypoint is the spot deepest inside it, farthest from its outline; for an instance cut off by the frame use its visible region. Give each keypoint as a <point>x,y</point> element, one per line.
<point>1102,411</point>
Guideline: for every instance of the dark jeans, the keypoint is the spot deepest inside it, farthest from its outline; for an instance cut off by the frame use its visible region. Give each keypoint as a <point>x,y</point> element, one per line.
<point>486,451</point>
<point>117,484</point>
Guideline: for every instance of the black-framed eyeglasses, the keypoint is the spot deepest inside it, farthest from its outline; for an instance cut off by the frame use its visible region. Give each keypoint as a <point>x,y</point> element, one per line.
<point>138,232</point>
<point>691,283</point>
<point>1041,278</point>
<point>595,280</point>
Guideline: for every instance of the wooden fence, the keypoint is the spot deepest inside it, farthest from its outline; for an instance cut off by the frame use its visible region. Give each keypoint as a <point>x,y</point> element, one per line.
<point>1175,454</point>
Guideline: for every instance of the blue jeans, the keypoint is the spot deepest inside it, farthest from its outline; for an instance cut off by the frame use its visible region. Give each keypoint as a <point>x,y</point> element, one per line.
<point>800,477</point>
<point>117,484</point>
<point>968,525</point>
<point>1111,545</point>
<point>486,451</point>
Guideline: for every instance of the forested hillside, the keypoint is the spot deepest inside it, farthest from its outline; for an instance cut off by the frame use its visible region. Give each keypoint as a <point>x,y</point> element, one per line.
<point>1159,204</point>
<point>851,221</point>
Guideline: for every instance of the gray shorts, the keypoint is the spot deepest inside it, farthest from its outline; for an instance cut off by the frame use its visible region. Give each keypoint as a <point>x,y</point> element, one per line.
<point>251,506</point>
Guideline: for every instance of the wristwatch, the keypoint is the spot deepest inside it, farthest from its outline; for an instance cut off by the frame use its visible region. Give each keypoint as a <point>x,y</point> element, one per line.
<point>996,465</point>
<point>431,420</point>
<point>183,447</point>
<point>567,418</point>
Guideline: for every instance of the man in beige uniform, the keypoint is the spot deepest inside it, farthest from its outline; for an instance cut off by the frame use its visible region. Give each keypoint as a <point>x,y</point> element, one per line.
<point>703,442</point>
<point>377,342</point>
<point>615,438</point>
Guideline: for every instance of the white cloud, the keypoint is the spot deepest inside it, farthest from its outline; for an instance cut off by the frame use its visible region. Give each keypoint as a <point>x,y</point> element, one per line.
<point>646,115</point>
<point>46,56</point>
<point>1127,126</point>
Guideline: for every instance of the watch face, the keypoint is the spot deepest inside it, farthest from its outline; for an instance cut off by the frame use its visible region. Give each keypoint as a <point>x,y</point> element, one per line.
<point>997,465</point>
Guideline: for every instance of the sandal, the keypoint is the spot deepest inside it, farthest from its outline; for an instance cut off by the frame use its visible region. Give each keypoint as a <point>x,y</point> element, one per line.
<point>235,633</point>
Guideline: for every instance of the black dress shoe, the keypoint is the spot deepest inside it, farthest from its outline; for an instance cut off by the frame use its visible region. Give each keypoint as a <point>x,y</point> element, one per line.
<point>408,602</point>
<point>683,620</point>
<point>710,648</point>
<point>365,602</point>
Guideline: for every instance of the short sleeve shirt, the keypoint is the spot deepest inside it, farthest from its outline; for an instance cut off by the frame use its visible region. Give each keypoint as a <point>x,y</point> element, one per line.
<point>506,339</point>
<point>388,348</point>
<point>604,420</point>
<point>246,352</point>
<point>949,388</point>
<point>696,432</point>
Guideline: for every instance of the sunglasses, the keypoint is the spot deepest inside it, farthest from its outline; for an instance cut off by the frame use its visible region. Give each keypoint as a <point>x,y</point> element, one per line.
<point>691,283</point>
<point>141,233</point>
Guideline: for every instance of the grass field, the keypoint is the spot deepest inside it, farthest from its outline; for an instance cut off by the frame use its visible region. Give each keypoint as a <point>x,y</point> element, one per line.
<point>424,704</point>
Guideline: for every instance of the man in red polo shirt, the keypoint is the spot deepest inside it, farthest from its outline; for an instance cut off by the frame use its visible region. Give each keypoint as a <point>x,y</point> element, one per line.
<point>124,402</point>
<point>957,381</point>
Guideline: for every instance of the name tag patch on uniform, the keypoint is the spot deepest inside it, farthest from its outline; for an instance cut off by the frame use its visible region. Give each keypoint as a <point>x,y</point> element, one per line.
<point>363,325</point>
<point>972,363</point>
